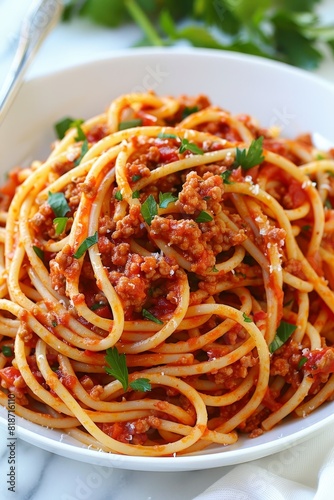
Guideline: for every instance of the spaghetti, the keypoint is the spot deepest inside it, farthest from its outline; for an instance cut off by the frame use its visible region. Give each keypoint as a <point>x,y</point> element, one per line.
<point>167,279</point>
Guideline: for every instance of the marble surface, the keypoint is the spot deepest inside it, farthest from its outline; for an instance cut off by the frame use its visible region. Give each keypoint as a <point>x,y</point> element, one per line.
<point>40,474</point>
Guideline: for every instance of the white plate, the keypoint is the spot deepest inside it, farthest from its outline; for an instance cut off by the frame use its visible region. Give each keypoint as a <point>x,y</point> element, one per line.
<point>274,93</point>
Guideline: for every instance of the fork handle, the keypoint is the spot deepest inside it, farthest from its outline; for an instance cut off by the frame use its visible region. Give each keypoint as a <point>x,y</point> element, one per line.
<point>41,17</point>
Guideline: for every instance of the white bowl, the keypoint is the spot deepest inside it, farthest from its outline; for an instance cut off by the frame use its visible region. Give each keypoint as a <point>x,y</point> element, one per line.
<point>274,93</point>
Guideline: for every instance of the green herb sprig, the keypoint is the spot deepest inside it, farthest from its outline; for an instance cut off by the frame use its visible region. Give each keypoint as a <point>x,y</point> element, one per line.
<point>283,333</point>
<point>286,30</point>
<point>251,157</point>
<point>149,209</point>
<point>116,367</point>
<point>85,245</point>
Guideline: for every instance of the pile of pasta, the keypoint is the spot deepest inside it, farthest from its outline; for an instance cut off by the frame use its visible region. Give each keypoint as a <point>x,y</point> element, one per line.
<point>167,279</point>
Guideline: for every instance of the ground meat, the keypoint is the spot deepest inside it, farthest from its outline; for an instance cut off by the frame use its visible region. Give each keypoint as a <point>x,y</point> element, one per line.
<point>130,226</point>
<point>230,376</point>
<point>200,243</point>
<point>186,235</point>
<point>201,193</point>
<point>133,283</point>
<point>106,225</point>
<point>285,361</point>
<point>89,188</point>
<point>42,221</point>
<point>73,194</point>
<point>120,254</point>
<point>153,154</point>
<point>61,266</point>
<point>136,171</point>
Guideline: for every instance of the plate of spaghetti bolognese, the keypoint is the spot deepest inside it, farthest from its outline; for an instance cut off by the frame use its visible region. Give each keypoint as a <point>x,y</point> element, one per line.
<point>167,283</point>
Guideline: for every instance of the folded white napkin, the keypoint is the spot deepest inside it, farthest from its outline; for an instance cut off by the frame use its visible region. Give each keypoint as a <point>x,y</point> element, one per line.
<point>302,472</point>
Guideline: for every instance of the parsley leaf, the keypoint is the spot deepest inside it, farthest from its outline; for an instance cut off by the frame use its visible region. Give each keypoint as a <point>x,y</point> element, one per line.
<point>81,134</point>
<point>251,157</point>
<point>283,333</point>
<point>117,368</point>
<point>167,136</point>
<point>141,384</point>
<point>286,30</point>
<point>65,124</point>
<point>149,209</point>
<point>58,203</point>
<point>136,178</point>
<point>87,243</point>
<point>189,110</point>
<point>165,199</point>
<point>136,122</point>
<point>118,196</point>
<point>226,176</point>
<point>247,319</point>
<point>60,223</point>
<point>302,361</point>
<point>204,217</point>
<point>39,252</point>
<point>190,146</point>
<point>146,314</point>
<point>84,149</point>
<point>62,126</point>
<point>135,194</point>
<point>7,351</point>
<point>97,305</point>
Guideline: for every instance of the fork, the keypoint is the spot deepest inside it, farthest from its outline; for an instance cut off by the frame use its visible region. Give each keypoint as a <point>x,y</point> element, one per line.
<point>41,17</point>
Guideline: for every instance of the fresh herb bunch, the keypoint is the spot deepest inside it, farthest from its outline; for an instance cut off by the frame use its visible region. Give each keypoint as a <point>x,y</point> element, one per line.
<point>286,30</point>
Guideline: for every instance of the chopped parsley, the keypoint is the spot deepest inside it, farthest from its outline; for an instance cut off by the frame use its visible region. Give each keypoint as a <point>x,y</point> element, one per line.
<point>141,384</point>
<point>283,333</point>
<point>204,217</point>
<point>136,178</point>
<point>65,124</point>
<point>135,194</point>
<point>118,195</point>
<point>87,243</point>
<point>251,157</point>
<point>247,319</point>
<point>190,146</point>
<point>62,126</point>
<point>146,314</point>
<point>60,224</point>
<point>136,122</point>
<point>81,136</point>
<point>7,351</point>
<point>189,110</point>
<point>165,199</point>
<point>39,252</point>
<point>226,176</point>
<point>117,368</point>
<point>167,136</point>
<point>97,305</point>
<point>84,150</point>
<point>149,209</point>
<point>58,203</point>
<point>302,361</point>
